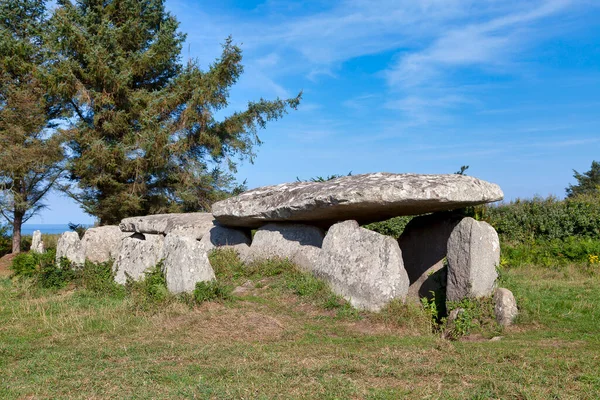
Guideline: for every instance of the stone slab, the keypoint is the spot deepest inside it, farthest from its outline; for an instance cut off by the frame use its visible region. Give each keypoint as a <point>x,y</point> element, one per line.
<point>187,224</point>
<point>364,198</point>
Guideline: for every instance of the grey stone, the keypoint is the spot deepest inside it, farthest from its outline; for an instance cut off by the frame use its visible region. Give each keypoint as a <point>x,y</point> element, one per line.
<point>138,253</point>
<point>69,246</point>
<point>191,224</point>
<point>473,255</point>
<point>37,244</point>
<point>185,263</point>
<point>365,198</point>
<point>362,266</point>
<point>220,236</point>
<point>103,243</point>
<point>284,240</point>
<point>424,245</point>
<point>505,307</point>
<point>307,259</point>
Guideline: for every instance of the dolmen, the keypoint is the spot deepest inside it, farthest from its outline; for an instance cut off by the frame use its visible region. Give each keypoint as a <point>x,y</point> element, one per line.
<point>318,226</point>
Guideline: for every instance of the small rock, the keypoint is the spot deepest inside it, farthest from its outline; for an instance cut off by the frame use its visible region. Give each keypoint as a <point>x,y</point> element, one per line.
<point>496,338</point>
<point>505,307</point>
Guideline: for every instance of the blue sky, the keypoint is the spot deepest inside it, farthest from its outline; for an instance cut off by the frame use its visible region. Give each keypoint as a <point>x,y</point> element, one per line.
<point>510,88</point>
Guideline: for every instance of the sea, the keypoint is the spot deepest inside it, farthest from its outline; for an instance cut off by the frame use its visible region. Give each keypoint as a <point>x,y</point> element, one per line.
<point>28,229</point>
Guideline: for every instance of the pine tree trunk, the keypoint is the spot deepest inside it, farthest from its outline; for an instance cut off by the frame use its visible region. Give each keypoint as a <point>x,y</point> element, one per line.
<point>16,242</point>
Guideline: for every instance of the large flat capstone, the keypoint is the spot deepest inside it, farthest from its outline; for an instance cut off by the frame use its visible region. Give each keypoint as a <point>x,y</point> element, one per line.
<point>364,198</point>
<point>189,225</point>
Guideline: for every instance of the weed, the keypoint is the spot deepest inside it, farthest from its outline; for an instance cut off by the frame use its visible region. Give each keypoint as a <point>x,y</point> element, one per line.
<point>25,265</point>
<point>476,316</point>
<point>150,291</point>
<point>212,290</point>
<point>99,278</point>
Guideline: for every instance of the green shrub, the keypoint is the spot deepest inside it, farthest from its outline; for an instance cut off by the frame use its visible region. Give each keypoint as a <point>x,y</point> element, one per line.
<point>212,290</point>
<point>52,275</point>
<point>549,253</point>
<point>525,221</point>
<point>99,278</point>
<point>477,316</point>
<point>25,265</point>
<point>392,227</point>
<point>5,240</point>
<point>150,290</point>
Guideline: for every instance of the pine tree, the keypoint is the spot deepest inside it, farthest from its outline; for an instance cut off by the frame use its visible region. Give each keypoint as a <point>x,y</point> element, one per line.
<point>30,156</point>
<point>146,139</point>
<point>587,183</point>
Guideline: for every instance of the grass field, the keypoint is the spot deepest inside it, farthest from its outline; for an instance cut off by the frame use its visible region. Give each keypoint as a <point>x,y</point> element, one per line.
<point>270,342</point>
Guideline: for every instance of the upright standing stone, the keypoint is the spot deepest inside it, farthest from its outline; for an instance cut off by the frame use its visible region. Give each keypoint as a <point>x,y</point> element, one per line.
<point>424,244</point>
<point>364,198</point>
<point>473,255</point>
<point>505,307</point>
<point>37,244</point>
<point>103,243</point>
<point>138,254</point>
<point>185,263</point>
<point>284,240</point>
<point>362,266</point>
<point>69,246</point>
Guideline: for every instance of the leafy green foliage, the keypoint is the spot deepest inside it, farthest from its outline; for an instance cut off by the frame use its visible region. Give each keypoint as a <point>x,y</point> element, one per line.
<point>30,159</point>
<point>588,183</point>
<point>152,289</point>
<point>99,278</point>
<point>147,139</point>
<point>476,316</point>
<point>525,221</point>
<point>551,253</point>
<point>44,270</point>
<point>392,227</point>
<point>52,275</point>
<point>5,240</point>
<point>212,290</point>
<point>25,265</point>
<point>281,274</point>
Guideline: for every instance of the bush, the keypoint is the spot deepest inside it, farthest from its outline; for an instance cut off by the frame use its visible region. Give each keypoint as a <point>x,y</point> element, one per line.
<point>526,221</point>
<point>150,290</point>
<point>99,278</point>
<point>5,240</point>
<point>548,253</point>
<point>392,227</point>
<point>52,275</point>
<point>25,265</point>
<point>477,316</point>
<point>212,290</point>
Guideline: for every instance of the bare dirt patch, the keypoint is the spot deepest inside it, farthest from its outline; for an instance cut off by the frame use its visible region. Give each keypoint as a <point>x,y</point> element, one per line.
<point>5,263</point>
